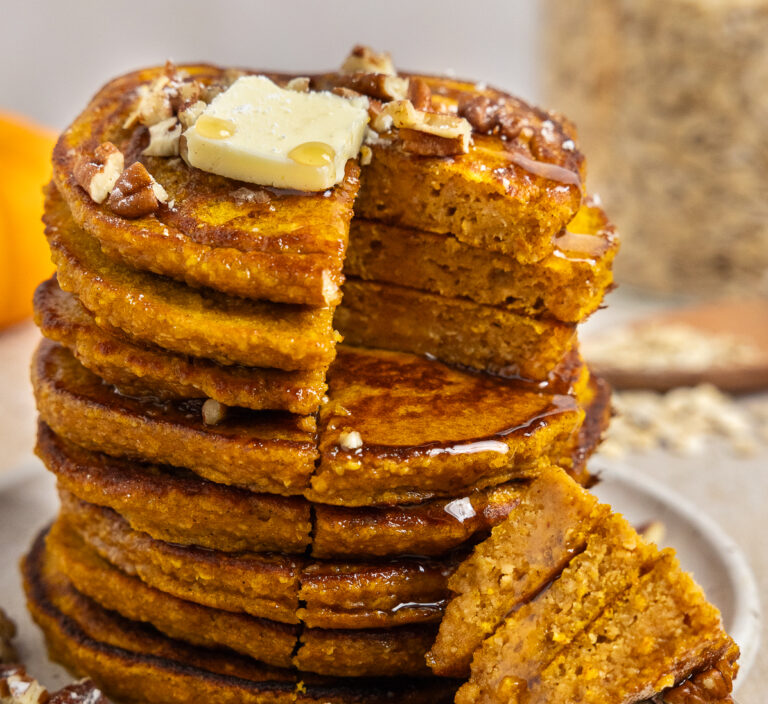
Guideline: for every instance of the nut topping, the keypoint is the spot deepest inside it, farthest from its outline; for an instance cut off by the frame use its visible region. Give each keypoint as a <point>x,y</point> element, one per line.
<point>300,84</point>
<point>374,85</point>
<point>136,193</point>
<point>164,138</point>
<point>363,59</point>
<point>189,113</point>
<point>154,103</point>
<point>98,174</point>
<point>213,412</point>
<point>425,133</point>
<point>420,94</point>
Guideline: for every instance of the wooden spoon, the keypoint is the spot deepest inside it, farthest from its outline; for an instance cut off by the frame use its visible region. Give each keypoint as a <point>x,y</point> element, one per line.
<point>745,321</point>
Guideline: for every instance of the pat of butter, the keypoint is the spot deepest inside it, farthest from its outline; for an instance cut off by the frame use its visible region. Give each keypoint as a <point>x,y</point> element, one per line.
<point>258,132</point>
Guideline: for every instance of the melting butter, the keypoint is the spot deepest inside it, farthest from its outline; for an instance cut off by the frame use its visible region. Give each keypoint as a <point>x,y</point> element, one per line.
<point>257,132</point>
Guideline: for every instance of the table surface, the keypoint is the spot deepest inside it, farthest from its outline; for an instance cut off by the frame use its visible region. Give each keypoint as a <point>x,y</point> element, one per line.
<point>730,490</point>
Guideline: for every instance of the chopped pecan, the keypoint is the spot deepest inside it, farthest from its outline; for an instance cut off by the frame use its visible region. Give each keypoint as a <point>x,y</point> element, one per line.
<point>707,687</point>
<point>345,92</point>
<point>154,103</point>
<point>300,84</point>
<point>97,174</point>
<point>480,111</point>
<point>188,114</point>
<point>425,133</point>
<point>420,94</point>
<point>136,193</point>
<point>164,138</point>
<point>363,59</point>
<point>374,85</point>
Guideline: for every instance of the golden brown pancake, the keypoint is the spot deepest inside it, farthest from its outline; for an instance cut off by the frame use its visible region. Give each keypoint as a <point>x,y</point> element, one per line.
<point>453,330</point>
<point>568,284</point>
<point>238,238</point>
<point>357,653</point>
<point>267,451</point>
<point>510,195</point>
<point>284,588</point>
<point>426,430</point>
<point>171,315</point>
<point>176,506</point>
<point>133,663</point>
<point>147,370</point>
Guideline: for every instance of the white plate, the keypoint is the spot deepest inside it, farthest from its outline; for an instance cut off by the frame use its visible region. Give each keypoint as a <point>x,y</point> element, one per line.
<point>703,548</point>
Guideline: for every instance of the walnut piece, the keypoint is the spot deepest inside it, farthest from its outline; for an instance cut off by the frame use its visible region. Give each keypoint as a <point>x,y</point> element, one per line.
<point>136,193</point>
<point>425,133</point>
<point>363,59</point>
<point>98,174</point>
<point>164,138</point>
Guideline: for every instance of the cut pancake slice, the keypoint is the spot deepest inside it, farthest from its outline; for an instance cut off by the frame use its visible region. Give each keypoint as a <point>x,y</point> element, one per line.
<point>268,451</point>
<point>366,652</point>
<point>133,663</point>
<point>426,430</point>
<point>171,315</point>
<point>656,636</point>
<point>535,633</point>
<point>238,238</point>
<point>538,539</point>
<point>454,330</point>
<point>143,369</point>
<point>508,194</point>
<point>284,588</point>
<point>177,506</point>
<point>401,428</point>
<point>568,284</point>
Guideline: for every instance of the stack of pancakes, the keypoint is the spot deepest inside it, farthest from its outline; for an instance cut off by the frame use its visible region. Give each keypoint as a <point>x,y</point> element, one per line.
<point>250,512</point>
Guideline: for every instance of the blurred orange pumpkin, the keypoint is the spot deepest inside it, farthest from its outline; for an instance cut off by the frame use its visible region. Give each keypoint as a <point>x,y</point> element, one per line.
<point>25,167</point>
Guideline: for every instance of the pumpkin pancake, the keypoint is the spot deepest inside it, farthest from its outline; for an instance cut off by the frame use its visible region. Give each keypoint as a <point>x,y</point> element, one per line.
<point>288,589</point>
<point>133,663</point>
<point>426,430</point>
<point>568,284</point>
<point>365,652</point>
<point>268,451</point>
<point>176,506</point>
<point>509,193</point>
<point>170,314</point>
<point>423,429</point>
<point>140,370</point>
<point>238,238</point>
<point>454,330</point>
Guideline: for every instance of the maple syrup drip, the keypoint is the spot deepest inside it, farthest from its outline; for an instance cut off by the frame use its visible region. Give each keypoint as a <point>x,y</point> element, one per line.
<point>551,172</point>
<point>212,127</point>
<point>313,154</point>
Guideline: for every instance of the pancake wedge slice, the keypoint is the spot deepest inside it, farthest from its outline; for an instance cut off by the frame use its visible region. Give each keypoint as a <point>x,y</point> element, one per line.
<point>237,238</point>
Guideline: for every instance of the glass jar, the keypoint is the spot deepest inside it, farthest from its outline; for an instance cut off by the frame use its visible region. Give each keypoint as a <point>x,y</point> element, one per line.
<point>671,101</point>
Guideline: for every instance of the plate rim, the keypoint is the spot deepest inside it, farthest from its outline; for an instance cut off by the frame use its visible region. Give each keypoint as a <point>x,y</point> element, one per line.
<point>747,620</point>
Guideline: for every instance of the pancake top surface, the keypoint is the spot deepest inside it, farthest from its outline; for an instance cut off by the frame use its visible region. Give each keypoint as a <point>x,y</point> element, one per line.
<point>209,209</point>
<point>406,403</point>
